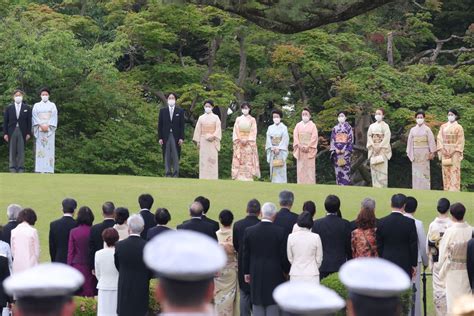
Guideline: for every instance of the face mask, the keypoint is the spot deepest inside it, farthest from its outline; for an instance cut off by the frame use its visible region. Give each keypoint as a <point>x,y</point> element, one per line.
<point>420,121</point>
<point>18,99</point>
<point>171,102</point>
<point>341,119</point>
<point>451,118</point>
<point>378,117</point>
<point>276,120</point>
<point>305,119</point>
<point>207,109</point>
<point>45,98</point>
<point>245,111</point>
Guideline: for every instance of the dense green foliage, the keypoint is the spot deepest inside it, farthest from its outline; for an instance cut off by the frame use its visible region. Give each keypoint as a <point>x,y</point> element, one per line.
<point>110,63</point>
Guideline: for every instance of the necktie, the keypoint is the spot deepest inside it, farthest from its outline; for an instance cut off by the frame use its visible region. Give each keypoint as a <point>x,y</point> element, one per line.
<point>171,113</point>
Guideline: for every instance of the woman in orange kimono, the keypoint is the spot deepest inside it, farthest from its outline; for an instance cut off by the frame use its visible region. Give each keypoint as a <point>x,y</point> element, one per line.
<point>450,151</point>
<point>305,147</point>
<point>245,165</point>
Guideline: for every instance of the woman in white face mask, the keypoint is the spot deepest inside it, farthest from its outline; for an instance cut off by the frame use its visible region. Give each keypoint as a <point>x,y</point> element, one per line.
<point>207,136</point>
<point>305,147</point>
<point>245,165</point>
<point>450,151</point>
<point>379,150</point>
<point>342,139</point>
<point>45,122</point>
<point>277,148</point>
<point>421,147</point>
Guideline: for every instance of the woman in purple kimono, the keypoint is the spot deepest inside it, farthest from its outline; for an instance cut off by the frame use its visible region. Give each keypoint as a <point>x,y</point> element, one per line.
<point>342,138</point>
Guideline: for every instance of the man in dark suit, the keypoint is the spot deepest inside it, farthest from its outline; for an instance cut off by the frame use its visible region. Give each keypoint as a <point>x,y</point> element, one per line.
<point>285,217</point>
<point>265,261</point>
<point>59,232</point>
<point>253,211</point>
<point>12,213</point>
<point>470,262</point>
<point>146,202</point>
<point>397,240</point>
<point>96,242</point>
<point>335,237</point>
<point>171,135</point>
<point>162,217</point>
<point>196,223</point>
<point>134,275</point>
<point>17,130</point>
<point>206,204</point>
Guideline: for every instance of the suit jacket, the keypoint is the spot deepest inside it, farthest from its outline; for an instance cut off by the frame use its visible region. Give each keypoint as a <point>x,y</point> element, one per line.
<point>305,253</point>
<point>167,126</point>
<point>10,120</point>
<point>25,247</point>
<point>215,224</point>
<point>7,231</point>
<point>59,238</point>
<point>95,241</point>
<point>397,241</point>
<point>200,226</point>
<point>155,231</point>
<point>265,260</point>
<point>134,277</point>
<point>420,232</point>
<point>286,219</point>
<point>105,270</point>
<point>149,220</point>
<point>470,262</point>
<point>335,234</point>
<point>4,273</point>
<point>238,241</point>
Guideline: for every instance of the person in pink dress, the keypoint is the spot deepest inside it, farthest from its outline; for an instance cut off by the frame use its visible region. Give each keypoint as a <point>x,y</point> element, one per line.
<point>25,242</point>
<point>305,147</point>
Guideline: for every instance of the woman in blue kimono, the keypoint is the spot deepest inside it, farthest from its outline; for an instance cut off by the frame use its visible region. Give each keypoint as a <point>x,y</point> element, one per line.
<point>277,148</point>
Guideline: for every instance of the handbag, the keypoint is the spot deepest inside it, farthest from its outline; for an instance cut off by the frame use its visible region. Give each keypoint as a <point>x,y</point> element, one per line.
<point>447,162</point>
<point>376,160</point>
<point>278,163</point>
<point>341,162</point>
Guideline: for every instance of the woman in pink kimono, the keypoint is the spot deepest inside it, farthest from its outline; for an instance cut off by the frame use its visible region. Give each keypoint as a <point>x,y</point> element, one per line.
<point>245,165</point>
<point>207,136</point>
<point>305,147</point>
<point>421,147</point>
<point>450,151</point>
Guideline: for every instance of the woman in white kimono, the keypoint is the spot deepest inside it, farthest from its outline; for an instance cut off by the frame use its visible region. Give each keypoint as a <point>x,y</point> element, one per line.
<point>207,136</point>
<point>45,122</point>
<point>277,148</point>
<point>379,150</point>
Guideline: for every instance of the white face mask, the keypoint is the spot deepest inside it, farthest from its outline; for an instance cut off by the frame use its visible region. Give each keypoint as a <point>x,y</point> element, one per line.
<point>420,121</point>
<point>341,119</point>
<point>207,109</point>
<point>18,99</point>
<point>171,102</point>
<point>305,118</point>
<point>245,111</point>
<point>276,120</point>
<point>45,98</point>
<point>378,117</point>
<point>451,118</point>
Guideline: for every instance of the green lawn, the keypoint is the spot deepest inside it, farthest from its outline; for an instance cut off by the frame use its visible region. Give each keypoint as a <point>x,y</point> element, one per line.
<point>44,193</point>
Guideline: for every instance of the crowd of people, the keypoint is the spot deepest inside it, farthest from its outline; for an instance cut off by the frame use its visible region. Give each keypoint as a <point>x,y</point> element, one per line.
<point>20,123</point>
<point>262,251</point>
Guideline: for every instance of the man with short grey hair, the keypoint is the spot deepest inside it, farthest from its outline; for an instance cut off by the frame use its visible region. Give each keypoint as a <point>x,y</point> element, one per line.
<point>285,217</point>
<point>196,223</point>
<point>12,213</point>
<point>134,276</point>
<point>265,261</point>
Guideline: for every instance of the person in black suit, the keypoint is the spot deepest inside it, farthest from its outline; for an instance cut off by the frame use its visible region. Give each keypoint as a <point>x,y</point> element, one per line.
<point>335,234</point>
<point>171,135</point>
<point>134,275</point>
<point>253,212</point>
<point>96,242</point>
<point>146,202</point>
<point>17,130</point>
<point>196,223</point>
<point>4,273</point>
<point>206,204</point>
<point>265,262</point>
<point>12,213</point>
<point>285,217</point>
<point>470,262</point>
<point>397,240</point>
<point>59,232</point>
<point>162,217</point>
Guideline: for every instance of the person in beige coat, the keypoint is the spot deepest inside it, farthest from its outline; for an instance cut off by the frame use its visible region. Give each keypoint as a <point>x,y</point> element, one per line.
<point>305,251</point>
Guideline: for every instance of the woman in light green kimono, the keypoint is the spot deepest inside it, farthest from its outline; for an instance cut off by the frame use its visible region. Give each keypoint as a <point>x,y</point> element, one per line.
<point>277,148</point>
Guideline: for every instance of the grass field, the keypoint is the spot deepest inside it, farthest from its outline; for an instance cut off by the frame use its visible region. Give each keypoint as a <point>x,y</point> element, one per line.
<point>44,193</point>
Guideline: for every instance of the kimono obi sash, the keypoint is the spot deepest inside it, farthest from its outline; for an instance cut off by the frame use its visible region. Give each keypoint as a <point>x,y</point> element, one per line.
<point>450,139</point>
<point>208,129</point>
<point>458,256</point>
<point>377,138</point>
<point>244,128</point>
<point>45,116</point>
<point>341,137</point>
<point>420,141</point>
<point>276,140</point>
<point>304,138</point>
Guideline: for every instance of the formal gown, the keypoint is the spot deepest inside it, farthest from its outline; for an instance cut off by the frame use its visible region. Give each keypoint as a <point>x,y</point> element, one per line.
<point>44,113</point>
<point>420,145</point>
<point>378,138</point>
<point>305,135</point>
<point>451,139</point>
<point>342,138</point>
<point>107,276</point>
<point>245,164</point>
<point>277,137</point>
<point>208,135</point>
